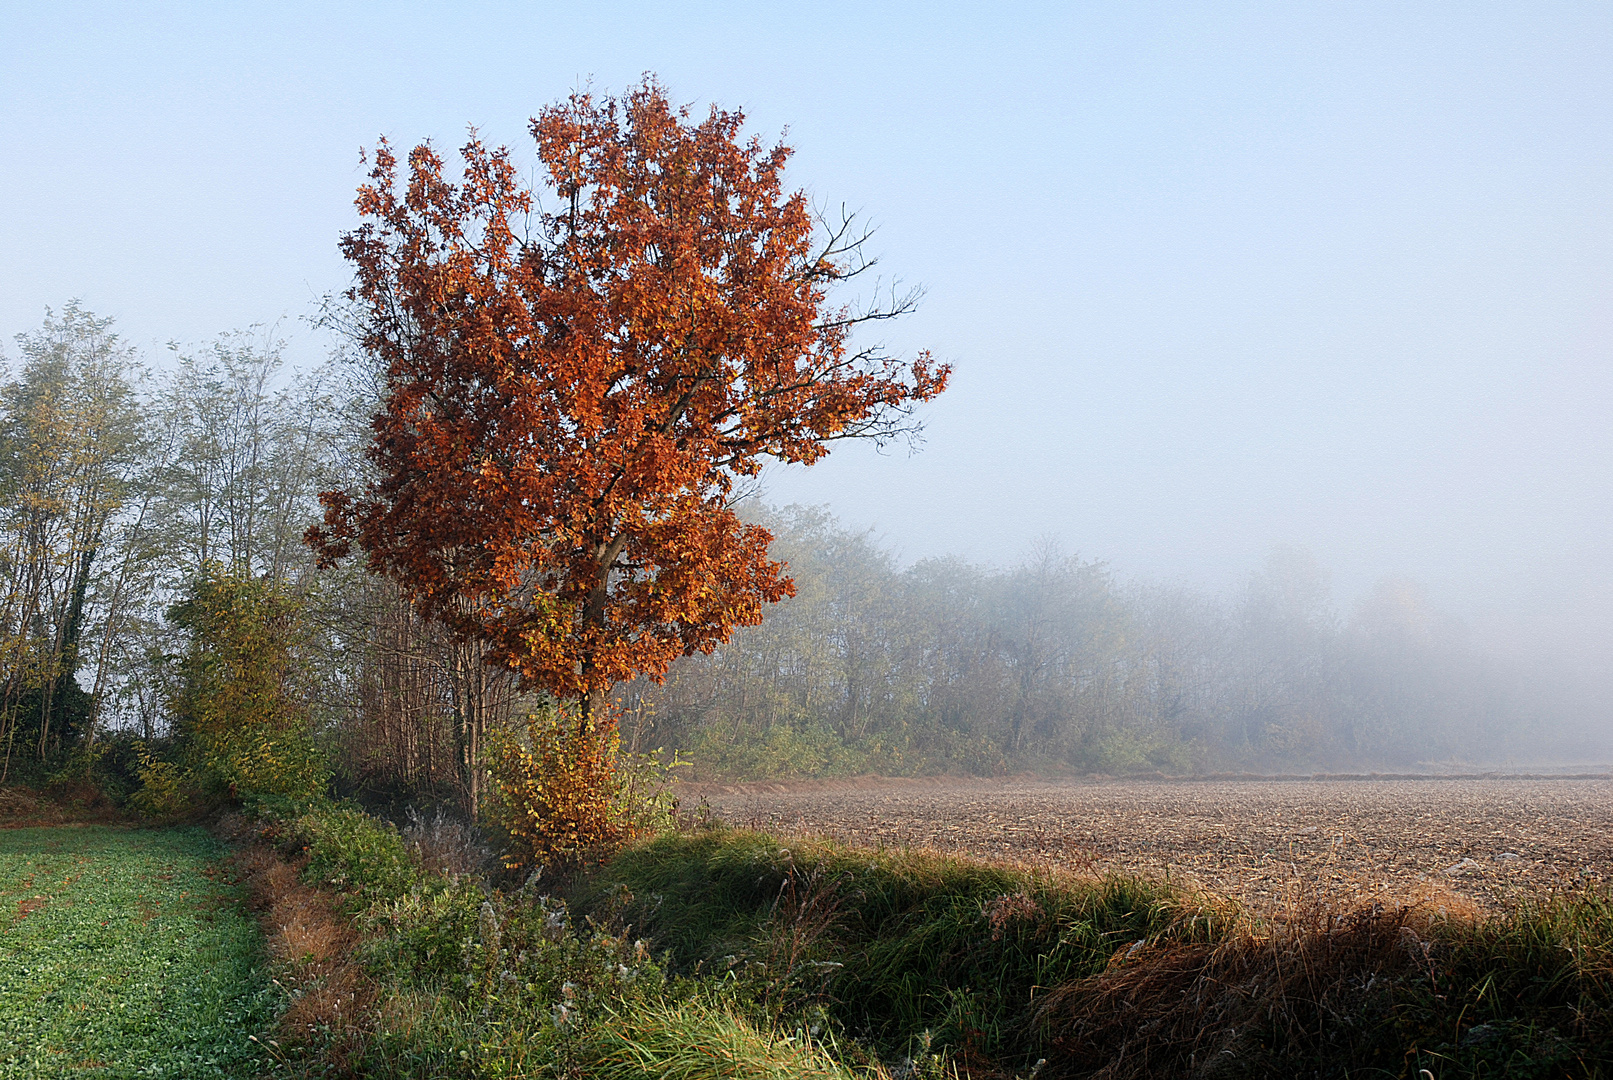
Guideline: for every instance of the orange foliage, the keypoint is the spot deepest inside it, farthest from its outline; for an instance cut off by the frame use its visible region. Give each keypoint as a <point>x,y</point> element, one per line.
<point>572,393</point>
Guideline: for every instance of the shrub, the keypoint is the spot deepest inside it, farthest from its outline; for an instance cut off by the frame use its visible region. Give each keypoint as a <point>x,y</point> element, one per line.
<point>567,795</point>
<point>241,728</point>
<point>354,854</point>
<point>165,788</point>
<point>427,937</point>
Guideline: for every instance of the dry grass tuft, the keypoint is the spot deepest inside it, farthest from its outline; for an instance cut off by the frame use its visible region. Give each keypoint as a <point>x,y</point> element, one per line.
<point>1430,900</point>
<point>446,844</point>
<point>312,943</point>
<point>1301,986</point>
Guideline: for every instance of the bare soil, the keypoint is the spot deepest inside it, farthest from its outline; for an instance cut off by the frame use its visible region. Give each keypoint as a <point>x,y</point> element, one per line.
<point>1265,843</point>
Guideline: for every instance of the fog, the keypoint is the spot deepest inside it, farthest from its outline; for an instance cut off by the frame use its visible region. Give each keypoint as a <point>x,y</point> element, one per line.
<point>1217,282</point>
<point>1056,663</point>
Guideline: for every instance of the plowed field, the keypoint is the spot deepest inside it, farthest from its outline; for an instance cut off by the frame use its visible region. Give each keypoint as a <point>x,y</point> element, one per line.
<point>1266,843</point>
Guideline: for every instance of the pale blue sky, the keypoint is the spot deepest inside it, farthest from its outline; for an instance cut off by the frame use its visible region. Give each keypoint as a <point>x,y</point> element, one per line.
<point>1214,276</point>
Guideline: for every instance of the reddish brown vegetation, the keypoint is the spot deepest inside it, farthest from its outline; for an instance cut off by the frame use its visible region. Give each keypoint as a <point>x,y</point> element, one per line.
<point>311,942</point>
<point>571,395</point>
<point>72,803</point>
<point>1187,1010</point>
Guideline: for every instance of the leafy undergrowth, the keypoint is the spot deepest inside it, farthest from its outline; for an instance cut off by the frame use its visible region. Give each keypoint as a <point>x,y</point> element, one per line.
<point>125,953</point>
<point>721,953</point>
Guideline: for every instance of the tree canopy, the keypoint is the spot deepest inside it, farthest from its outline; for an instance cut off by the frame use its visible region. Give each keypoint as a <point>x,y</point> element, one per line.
<point>576,378</point>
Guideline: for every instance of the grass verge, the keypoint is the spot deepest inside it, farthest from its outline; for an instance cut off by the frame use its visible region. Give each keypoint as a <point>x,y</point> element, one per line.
<point>724,953</point>
<point>896,946</point>
<point>125,953</point>
<point>1006,970</point>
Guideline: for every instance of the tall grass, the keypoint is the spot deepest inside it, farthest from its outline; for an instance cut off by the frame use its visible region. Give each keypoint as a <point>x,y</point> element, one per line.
<point>893,944</point>
<point>723,953</point>
<point>696,1040</point>
<point>1121,976</point>
<point>1371,992</point>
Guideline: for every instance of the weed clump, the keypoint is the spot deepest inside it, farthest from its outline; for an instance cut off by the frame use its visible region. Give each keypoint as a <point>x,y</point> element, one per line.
<point>445,844</point>
<point>696,1039</point>
<point>355,854</point>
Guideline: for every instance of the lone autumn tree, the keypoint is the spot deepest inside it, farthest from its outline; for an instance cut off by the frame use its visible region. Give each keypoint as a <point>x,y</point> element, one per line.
<point>577,377</point>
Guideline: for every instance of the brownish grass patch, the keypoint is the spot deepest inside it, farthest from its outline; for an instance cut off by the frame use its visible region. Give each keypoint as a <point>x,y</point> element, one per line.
<point>76,802</point>
<point>1318,981</point>
<point>312,944</point>
<point>28,906</point>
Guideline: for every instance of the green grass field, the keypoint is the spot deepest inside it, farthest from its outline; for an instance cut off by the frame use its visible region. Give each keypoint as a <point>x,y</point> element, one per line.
<point>126,953</point>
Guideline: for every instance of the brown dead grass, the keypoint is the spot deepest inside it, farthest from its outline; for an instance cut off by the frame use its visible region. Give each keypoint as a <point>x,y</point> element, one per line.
<point>312,944</point>
<point>1189,1010</point>
<point>77,803</point>
<point>1271,845</point>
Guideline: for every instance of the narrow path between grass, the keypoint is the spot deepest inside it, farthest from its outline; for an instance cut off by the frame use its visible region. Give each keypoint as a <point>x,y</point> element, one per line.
<point>126,952</point>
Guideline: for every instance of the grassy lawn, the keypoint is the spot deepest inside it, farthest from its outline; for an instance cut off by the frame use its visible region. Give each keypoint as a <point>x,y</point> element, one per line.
<point>125,953</point>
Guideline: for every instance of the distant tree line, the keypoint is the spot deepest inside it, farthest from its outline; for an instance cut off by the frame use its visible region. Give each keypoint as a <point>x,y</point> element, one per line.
<point>1057,663</point>
<point>142,510</point>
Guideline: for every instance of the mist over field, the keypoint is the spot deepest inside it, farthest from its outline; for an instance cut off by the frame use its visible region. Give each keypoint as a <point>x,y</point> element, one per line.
<point>1050,661</point>
<point>1277,437</point>
<point>1057,663</point>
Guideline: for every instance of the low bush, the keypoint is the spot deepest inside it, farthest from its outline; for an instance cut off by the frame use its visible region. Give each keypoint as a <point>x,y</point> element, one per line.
<point>359,856</point>
<point>428,937</point>
<point>165,791</point>
<point>566,794</point>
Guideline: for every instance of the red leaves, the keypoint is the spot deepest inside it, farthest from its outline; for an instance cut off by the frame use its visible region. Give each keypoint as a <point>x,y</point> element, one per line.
<point>569,405</point>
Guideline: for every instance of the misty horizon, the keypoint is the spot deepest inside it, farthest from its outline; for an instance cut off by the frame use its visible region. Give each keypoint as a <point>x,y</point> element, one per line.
<point>1213,282</point>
